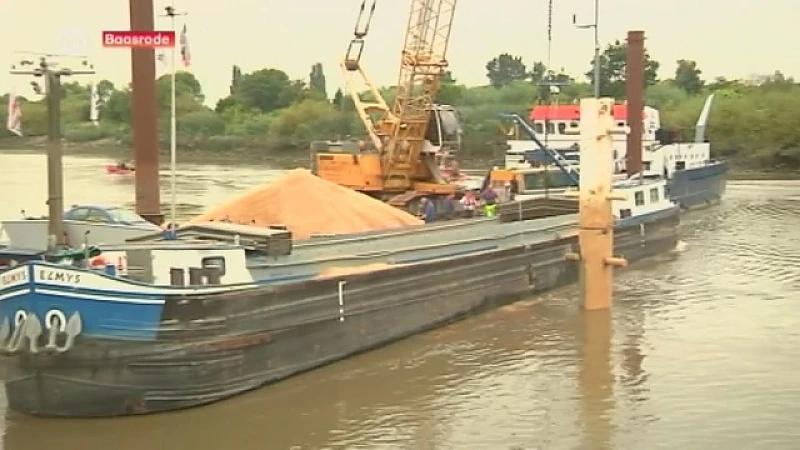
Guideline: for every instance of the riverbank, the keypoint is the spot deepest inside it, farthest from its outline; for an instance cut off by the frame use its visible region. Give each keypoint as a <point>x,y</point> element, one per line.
<point>114,151</point>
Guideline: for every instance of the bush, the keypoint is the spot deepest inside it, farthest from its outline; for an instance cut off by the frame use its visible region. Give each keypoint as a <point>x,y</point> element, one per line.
<point>88,132</point>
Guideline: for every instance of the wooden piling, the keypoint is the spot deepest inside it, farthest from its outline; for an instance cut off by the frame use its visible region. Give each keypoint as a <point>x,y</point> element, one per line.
<point>634,92</point>
<point>596,235</point>
<point>145,116</point>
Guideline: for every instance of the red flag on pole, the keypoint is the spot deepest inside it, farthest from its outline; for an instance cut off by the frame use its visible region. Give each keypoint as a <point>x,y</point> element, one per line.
<point>14,123</point>
<point>185,55</point>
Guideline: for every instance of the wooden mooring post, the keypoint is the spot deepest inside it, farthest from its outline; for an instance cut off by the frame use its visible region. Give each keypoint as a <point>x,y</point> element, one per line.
<point>596,235</point>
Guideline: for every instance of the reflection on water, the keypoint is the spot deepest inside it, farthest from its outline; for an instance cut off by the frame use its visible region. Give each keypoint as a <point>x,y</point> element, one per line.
<point>699,352</point>
<point>596,379</point>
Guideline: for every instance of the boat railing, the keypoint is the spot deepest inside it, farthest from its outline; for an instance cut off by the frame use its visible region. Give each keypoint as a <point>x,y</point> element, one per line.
<point>443,248</point>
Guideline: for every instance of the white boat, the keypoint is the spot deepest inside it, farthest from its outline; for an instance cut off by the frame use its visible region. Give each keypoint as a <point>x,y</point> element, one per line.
<point>694,177</point>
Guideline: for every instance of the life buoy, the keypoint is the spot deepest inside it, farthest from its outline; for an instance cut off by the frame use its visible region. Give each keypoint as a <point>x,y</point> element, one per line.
<point>97,262</point>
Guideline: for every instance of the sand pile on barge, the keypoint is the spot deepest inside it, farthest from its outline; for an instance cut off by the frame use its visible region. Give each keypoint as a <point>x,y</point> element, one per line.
<point>308,205</point>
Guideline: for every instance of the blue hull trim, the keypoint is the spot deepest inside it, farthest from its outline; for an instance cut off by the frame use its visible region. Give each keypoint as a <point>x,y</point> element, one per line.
<point>699,186</point>
<point>647,217</point>
<point>101,318</point>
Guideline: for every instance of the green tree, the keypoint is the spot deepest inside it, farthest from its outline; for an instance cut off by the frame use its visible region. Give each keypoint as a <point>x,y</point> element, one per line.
<point>505,69</point>
<point>236,78</point>
<point>267,90</point>
<point>338,97</point>
<point>186,85</point>
<point>538,72</point>
<point>450,92</point>
<point>687,77</point>
<point>665,95</point>
<point>296,126</point>
<point>613,62</point>
<point>316,81</point>
<point>118,107</point>
<point>104,90</point>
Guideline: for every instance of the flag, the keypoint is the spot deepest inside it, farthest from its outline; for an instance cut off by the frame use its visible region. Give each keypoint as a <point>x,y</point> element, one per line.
<point>94,105</point>
<point>161,60</point>
<point>14,123</point>
<point>185,55</point>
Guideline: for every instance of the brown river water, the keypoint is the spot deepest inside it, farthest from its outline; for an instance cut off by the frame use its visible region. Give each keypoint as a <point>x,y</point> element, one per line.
<point>701,351</point>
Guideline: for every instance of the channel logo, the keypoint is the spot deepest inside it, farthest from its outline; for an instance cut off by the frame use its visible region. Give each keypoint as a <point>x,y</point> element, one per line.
<point>139,39</point>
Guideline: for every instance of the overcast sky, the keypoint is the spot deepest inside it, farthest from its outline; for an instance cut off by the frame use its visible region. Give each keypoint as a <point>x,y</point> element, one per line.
<point>732,38</point>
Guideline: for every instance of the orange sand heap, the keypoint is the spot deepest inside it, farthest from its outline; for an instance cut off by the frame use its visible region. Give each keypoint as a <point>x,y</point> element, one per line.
<point>308,205</point>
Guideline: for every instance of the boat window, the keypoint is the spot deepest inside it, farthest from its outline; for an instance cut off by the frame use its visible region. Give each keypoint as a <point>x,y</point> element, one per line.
<point>97,215</point>
<point>562,127</point>
<point>551,129</point>
<point>623,213</point>
<point>573,124</point>
<point>538,127</point>
<point>639,198</point>
<point>646,165</point>
<point>653,195</point>
<point>77,214</point>
<point>217,262</point>
<point>680,165</point>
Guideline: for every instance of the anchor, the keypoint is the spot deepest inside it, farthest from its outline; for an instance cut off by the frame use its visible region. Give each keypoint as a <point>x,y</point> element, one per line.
<point>72,329</point>
<point>17,337</point>
<point>30,328</point>
<point>5,331</point>
<point>32,331</point>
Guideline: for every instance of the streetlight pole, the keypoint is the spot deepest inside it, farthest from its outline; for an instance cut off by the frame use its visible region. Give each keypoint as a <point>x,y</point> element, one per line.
<point>173,125</point>
<point>52,72</point>
<point>596,83</point>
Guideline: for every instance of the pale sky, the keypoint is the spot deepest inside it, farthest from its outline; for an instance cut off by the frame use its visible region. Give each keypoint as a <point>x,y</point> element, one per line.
<point>732,38</point>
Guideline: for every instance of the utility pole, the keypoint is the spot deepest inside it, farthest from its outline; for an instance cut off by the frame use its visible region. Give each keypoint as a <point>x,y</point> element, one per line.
<point>52,71</point>
<point>596,83</point>
<point>173,126</point>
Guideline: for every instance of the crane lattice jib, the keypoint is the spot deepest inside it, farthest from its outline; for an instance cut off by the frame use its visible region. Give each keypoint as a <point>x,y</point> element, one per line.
<point>423,63</point>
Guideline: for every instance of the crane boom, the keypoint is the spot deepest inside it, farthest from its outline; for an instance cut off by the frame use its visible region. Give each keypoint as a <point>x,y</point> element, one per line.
<point>423,62</point>
<point>400,166</point>
<point>399,132</point>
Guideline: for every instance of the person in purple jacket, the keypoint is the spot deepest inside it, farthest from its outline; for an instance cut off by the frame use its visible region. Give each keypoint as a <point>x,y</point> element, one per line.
<point>489,197</point>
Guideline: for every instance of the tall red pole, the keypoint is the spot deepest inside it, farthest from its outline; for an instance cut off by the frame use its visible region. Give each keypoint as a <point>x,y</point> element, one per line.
<point>634,87</point>
<point>145,116</point>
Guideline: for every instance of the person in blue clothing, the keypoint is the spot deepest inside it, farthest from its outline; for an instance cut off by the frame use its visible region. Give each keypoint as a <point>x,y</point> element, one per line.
<point>428,210</point>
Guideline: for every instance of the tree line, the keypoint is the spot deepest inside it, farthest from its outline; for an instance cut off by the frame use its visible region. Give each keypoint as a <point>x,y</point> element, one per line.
<point>269,114</point>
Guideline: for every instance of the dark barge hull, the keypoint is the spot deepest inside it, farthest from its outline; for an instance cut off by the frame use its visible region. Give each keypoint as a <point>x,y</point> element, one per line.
<point>699,186</point>
<point>221,346</point>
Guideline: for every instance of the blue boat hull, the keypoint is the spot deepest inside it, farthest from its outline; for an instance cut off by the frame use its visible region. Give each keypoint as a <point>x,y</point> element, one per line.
<point>696,187</point>
<point>210,347</point>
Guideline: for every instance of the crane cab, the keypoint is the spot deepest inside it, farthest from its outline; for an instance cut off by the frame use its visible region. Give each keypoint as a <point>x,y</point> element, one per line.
<point>444,130</point>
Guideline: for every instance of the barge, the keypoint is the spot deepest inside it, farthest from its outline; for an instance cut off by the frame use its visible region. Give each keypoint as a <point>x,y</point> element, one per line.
<point>138,337</point>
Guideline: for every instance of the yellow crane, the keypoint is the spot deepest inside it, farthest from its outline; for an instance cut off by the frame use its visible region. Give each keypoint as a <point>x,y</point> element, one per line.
<point>398,163</point>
